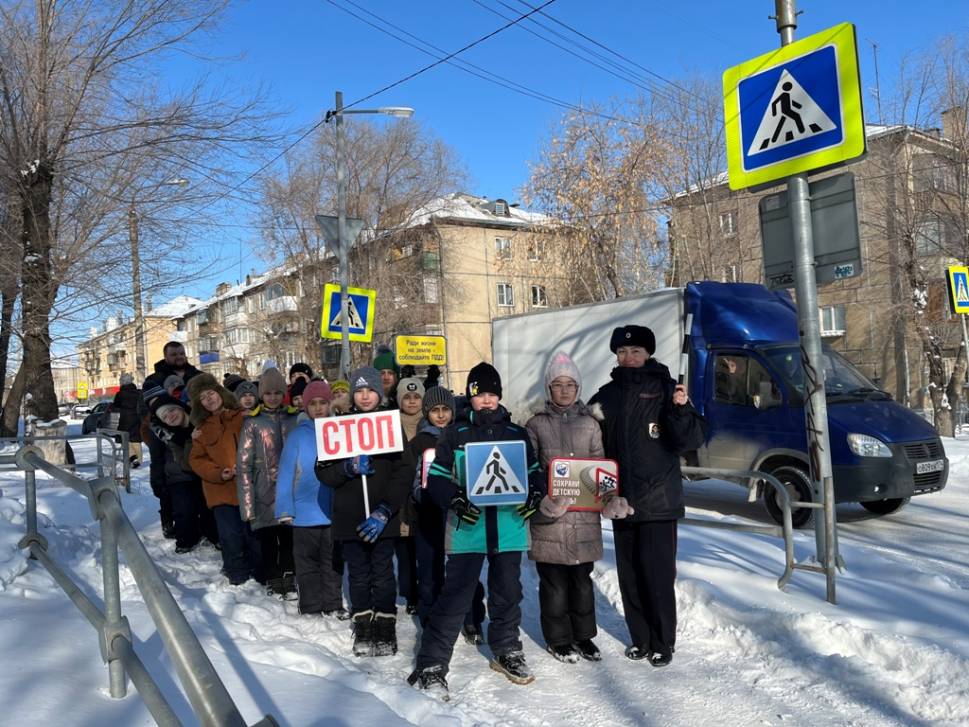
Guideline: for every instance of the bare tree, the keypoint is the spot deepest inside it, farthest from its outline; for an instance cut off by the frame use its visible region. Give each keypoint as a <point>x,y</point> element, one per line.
<point>83,133</point>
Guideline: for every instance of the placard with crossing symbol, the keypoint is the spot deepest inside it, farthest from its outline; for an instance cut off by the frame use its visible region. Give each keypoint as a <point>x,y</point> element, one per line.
<point>958,279</point>
<point>795,109</point>
<point>497,472</point>
<point>360,313</point>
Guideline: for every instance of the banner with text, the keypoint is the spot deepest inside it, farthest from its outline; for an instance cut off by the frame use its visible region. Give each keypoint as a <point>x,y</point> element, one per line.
<point>586,481</point>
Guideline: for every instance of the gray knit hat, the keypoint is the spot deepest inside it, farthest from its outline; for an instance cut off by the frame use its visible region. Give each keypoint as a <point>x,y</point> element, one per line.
<point>365,377</point>
<point>437,396</point>
<point>271,380</point>
<point>173,381</point>
<point>410,385</point>
<point>247,387</point>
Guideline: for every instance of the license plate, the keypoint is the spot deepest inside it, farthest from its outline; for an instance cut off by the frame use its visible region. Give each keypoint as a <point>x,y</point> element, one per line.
<point>936,465</point>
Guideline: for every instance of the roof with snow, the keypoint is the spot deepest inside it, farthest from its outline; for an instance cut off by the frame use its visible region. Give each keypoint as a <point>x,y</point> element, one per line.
<point>462,207</point>
<point>174,308</point>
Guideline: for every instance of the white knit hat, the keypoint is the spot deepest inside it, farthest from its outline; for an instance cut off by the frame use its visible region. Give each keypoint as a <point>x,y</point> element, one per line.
<point>561,365</point>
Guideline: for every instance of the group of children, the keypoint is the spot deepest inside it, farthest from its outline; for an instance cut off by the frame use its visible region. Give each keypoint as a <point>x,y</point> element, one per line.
<point>282,513</point>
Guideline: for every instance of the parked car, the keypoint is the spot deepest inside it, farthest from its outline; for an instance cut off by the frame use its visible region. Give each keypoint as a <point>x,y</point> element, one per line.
<point>98,418</point>
<point>81,410</point>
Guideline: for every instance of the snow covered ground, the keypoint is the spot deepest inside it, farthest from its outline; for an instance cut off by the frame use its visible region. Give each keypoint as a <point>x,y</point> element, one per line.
<point>894,651</point>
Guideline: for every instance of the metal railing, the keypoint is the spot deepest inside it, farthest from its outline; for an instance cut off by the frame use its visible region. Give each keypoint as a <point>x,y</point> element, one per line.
<point>111,458</point>
<point>785,530</point>
<point>205,691</point>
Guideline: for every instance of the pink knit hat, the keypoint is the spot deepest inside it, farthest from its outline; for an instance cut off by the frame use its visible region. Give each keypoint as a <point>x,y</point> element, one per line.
<point>561,365</point>
<point>317,389</point>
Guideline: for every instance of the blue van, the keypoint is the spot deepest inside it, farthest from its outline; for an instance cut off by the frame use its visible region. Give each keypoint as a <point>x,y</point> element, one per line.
<point>735,346</point>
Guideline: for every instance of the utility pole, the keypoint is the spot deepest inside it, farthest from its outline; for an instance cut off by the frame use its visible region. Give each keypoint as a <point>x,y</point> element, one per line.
<point>343,244</point>
<point>136,293</point>
<point>812,357</point>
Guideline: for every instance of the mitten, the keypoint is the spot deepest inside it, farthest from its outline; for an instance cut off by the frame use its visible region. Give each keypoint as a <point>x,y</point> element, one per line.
<point>554,507</point>
<point>530,506</point>
<point>617,508</point>
<point>464,509</point>
<point>371,528</point>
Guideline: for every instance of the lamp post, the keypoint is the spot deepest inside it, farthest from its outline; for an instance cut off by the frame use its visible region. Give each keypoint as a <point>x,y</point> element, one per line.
<point>343,244</point>
<point>140,354</point>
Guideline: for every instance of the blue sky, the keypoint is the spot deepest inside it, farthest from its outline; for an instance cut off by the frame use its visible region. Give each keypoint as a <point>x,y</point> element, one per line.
<point>304,50</point>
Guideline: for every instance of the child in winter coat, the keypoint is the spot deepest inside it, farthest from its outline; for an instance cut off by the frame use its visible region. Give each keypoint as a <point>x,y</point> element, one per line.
<point>308,507</point>
<point>247,394</point>
<point>368,541</point>
<point>257,465</point>
<point>438,407</point>
<point>192,519</point>
<point>410,394</point>
<point>218,421</point>
<point>566,544</point>
<point>498,533</point>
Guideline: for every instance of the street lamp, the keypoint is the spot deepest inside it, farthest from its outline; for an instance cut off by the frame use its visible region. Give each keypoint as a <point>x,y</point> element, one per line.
<point>140,354</point>
<point>343,244</point>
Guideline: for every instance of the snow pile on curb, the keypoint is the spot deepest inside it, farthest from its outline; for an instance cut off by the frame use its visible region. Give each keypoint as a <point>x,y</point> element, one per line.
<point>13,561</point>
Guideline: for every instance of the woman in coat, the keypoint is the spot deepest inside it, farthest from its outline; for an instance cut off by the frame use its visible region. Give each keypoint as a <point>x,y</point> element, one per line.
<point>218,421</point>
<point>127,403</point>
<point>257,465</point>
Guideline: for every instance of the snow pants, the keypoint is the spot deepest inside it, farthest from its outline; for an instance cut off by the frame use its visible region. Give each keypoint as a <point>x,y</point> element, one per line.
<point>318,583</point>
<point>567,600</point>
<point>406,552</point>
<point>156,476</point>
<point>193,519</point>
<point>241,552</point>
<point>276,544</point>
<point>371,573</point>
<point>448,613</point>
<point>646,565</point>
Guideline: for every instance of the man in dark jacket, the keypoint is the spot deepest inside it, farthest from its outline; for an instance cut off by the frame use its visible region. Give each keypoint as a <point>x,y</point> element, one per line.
<point>175,364</point>
<point>127,402</point>
<point>647,423</point>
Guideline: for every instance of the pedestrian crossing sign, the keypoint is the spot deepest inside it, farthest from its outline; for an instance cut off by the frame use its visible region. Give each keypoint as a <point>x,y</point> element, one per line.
<point>360,311</point>
<point>795,109</point>
<point>496,473</point>
<point>959,288</point>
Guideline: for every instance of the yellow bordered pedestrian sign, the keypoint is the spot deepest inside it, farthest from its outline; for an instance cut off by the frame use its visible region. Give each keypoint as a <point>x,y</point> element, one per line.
<point>795,109</point>
<point>360,308</point>
<point>958,277</point>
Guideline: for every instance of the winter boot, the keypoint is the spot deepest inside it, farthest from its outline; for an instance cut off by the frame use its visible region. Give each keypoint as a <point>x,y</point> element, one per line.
<point>472,634</point>
<point>274,587</point>
<point>513,666</point>
<point>588,650</point>
<point>363,633</point>
<point>288,585</point>
<point>340,614</point>
<point>431,680</point>
<point>659,658</point>
<point>384,634</point>
<point>168,527</point>
<point>636,653</point>
<point>565,653</point>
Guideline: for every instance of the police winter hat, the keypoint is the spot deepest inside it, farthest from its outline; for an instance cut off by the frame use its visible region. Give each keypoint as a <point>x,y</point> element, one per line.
<point>633,336</point>
<point>437,396</point>
<point>483,379</point>
<point>300,368</point>
<point>411,385</point>
<point>317,389</point>
<point>365,377</point>
<point>271,380</point>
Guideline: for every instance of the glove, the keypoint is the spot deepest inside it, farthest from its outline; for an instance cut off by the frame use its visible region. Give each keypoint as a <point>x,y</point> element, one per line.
<point>555,507</point>
<point>359,465</point>
<point>617,508</point>
<point>371,528</point>
<point>530,506</point>
<point>467,511</point>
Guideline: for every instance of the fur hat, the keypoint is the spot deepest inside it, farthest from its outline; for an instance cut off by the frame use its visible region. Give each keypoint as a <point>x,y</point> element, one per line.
<point>300,368</point>
<point>633,336</point>
<point>339,385</point>
<point>437,396</point>
<point>365,377</point>
<point>271,380</point>
<point>317,389</point>
<point>483,379</point>
<point>386,361</point>
<point>247,387</point>
<point>206,382</point>
<point>561,365</point>
<point>410,385</point>
<point>126,379</point>
<point>162,402</point>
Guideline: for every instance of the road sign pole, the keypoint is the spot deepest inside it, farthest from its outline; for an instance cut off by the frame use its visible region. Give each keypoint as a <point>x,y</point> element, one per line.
<point>805,287</point>
<point>343,244</point>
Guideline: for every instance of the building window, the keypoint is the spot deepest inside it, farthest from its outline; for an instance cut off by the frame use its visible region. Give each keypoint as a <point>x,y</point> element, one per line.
<point>202,315</point>
<point>539,297</point>
<point>728,223</point>
<point>501,209</point>
<point>503,248</point>
<point>832,320</point>
<point>230,306</point>
<point>506,296</point>
<point>431,292</point>
<point>273,291</point>
<point>536,250</point>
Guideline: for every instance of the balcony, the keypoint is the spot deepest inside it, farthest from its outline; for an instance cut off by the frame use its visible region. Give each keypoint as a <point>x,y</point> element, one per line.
<point>178,336</point>
<point>282,304</point>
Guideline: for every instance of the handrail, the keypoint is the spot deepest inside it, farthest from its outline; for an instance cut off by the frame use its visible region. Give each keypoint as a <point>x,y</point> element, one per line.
<point>206,693</point>
<point>787,529</point>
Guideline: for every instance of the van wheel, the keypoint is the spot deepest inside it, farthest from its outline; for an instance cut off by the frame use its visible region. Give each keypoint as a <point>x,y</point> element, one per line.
<point>798,486</point>
<point>886,507</point>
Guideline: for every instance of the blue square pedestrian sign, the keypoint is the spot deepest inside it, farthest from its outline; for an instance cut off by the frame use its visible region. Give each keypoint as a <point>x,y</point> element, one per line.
<point>360,313</point>
<point>958,279</point>
<point>794,110</point>
<point>496,473</point>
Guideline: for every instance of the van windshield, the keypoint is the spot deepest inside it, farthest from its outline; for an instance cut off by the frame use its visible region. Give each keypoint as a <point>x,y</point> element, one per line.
<point>841,378</point>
